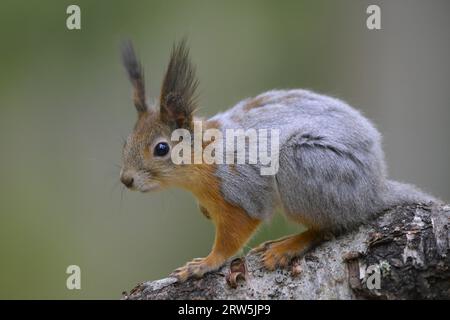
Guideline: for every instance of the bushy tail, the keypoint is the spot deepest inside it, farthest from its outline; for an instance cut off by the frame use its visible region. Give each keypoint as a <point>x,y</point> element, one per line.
<point>398,193</point>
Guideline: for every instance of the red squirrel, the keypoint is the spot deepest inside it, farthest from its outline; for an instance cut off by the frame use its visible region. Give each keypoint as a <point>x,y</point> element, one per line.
<point>330,173</point>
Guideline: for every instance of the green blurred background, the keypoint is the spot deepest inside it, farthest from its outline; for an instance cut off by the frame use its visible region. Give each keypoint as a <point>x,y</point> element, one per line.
<point>65,106</point>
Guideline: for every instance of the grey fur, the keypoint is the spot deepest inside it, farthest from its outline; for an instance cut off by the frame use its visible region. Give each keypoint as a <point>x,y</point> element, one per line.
<point>332,173</point>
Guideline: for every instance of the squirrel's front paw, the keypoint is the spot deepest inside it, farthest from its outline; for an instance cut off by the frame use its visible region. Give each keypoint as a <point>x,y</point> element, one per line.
<point>194,269</point>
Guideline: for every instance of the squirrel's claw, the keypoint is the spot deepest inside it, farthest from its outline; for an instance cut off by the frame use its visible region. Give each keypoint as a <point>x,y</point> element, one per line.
<point>280,253</point>
<point>272,259</point>
<point>193,269</point>
<point>274,255</point>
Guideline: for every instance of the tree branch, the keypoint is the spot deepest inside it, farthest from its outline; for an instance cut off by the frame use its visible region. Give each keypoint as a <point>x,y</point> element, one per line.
<point>407,246</point>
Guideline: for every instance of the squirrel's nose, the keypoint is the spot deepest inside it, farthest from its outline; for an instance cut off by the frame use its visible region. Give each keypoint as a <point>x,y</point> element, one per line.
<point>127,180</point>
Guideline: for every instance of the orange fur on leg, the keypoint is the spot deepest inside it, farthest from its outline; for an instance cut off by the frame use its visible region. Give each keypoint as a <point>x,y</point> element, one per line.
<point>279,253</point>
<point>234,226</point>
<point>233,229</point>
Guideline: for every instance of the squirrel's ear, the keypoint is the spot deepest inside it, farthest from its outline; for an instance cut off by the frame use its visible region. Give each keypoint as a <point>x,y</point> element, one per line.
<point>136,75</point>
<point>178,97</point>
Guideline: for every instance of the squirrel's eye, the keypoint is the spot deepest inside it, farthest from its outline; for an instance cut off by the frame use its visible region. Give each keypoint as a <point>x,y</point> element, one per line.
<point>161,149</point>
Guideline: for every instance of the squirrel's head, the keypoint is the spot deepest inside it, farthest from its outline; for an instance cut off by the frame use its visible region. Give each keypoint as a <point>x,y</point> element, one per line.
<point>147,163</point>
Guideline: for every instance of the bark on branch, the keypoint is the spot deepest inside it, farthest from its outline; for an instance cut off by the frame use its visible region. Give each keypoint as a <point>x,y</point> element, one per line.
<point>407,246</point>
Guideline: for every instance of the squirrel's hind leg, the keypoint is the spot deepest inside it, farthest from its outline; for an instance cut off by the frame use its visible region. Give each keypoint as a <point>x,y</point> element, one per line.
<point>279,253</point>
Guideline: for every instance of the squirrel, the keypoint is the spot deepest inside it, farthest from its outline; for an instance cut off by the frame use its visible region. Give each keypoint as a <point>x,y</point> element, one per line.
<point>331,176</point>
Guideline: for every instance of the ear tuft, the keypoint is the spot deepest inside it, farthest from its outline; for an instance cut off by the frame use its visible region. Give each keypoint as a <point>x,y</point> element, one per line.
<point>136,75</point>
<point>178,93</point>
